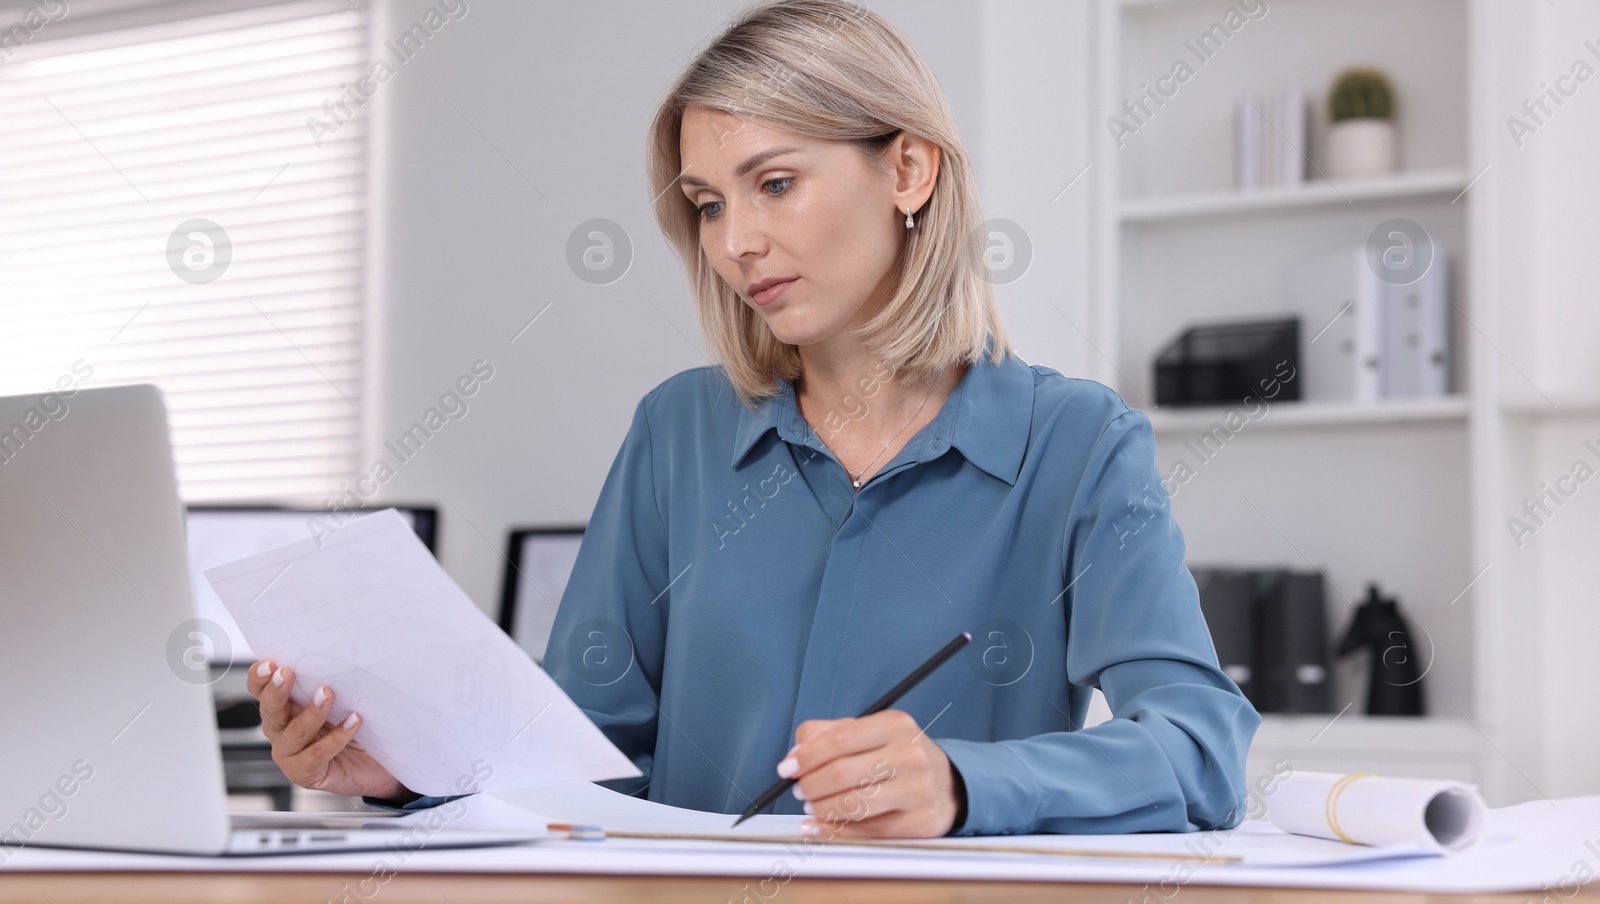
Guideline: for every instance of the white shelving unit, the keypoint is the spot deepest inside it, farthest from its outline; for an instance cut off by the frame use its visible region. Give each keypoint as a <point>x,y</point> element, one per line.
<point>1404,493</point>
<point>1444,182</point>
<point>1440,749</point>
<point>1290,415</point>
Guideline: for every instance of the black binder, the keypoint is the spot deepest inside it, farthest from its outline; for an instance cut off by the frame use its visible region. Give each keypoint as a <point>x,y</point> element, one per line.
<point>1227,599</point>
<point>1292,663</point>
<point>1270,632</point>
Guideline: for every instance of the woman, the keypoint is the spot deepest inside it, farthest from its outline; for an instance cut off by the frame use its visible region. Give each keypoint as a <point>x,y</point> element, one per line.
<point>869,472</point>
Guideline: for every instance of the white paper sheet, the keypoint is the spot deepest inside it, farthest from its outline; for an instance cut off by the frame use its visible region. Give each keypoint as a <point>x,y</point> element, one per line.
<point>486,812</point>
<point>1553,845</point>
<point>1256,844</point>
<point>448,701</point>
<point>585,803</point>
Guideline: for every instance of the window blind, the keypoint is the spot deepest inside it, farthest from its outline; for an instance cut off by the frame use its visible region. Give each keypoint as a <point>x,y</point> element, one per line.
<point>168,215</point>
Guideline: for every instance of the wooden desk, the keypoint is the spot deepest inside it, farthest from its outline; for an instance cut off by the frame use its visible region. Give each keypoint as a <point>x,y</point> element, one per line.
<point>439,888</point>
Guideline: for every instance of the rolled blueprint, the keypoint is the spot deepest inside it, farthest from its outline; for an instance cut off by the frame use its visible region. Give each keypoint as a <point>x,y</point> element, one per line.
<point>1361,808</point>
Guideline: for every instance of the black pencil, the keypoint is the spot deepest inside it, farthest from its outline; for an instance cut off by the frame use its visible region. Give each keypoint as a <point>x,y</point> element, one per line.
<point>883,703</point>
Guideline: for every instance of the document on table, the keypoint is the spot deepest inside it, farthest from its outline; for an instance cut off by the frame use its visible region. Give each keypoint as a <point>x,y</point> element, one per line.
<point>449,703</point>
<point>1534,846</point>
<point>589,804</point>
<point>1251,844</point>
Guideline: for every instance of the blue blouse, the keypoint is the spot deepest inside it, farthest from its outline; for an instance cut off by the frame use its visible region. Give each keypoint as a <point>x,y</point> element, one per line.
<point>732,585</point>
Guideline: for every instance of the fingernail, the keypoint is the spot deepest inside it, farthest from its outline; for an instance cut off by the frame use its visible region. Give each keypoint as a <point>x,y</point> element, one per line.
<point>277,678</point>
<point>807,808</point>
<point>264,669</point>
<point>798,794</point>
<point>350,721</point>
<point>320,697</point>
<point>788,768</point>
<point>810,827</point>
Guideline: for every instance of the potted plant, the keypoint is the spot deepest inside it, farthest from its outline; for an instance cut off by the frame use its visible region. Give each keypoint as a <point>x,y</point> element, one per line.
<point>1361,136</point>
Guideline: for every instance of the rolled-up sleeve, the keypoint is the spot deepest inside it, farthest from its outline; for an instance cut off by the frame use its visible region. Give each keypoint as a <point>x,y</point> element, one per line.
<point>1172,757</point>
<point>607,642</point>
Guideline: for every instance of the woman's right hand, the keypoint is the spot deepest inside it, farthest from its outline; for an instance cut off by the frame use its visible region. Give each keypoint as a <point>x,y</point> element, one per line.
<point>312,753</point>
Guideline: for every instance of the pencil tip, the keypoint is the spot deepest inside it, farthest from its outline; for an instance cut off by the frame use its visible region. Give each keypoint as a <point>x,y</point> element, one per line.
<point>742,818</point>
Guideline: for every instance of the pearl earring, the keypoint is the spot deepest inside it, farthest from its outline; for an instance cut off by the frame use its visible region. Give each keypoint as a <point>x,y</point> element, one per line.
<point>909,222</point>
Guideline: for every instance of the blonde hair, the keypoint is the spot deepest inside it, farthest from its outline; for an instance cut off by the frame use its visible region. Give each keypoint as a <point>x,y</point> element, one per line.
<point>834,70</point>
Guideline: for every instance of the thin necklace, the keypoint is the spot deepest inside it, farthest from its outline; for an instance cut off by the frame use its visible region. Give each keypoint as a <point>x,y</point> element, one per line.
<point>855,479</point>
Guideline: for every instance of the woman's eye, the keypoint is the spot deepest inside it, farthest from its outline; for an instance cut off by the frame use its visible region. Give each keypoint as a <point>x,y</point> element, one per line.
<point>704,210</point>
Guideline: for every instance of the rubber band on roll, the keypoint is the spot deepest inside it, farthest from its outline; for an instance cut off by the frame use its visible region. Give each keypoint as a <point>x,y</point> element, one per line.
<point>1332,806</point>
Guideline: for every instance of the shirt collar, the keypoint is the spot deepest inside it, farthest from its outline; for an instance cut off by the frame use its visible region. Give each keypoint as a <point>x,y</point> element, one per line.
<point>986,417</point>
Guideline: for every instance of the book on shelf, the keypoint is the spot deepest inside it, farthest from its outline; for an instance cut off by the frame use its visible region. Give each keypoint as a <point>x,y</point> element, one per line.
<point>1270,139</point>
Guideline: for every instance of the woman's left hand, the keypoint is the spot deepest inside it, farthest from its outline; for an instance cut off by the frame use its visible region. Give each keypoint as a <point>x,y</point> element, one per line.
<point>875,777</point>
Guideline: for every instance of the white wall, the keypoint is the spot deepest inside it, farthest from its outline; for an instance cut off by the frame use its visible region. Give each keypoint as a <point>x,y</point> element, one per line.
<point>1562,317</point>
<point>1561,159</point>
<point>1034,110</point>
<point>468,251</point>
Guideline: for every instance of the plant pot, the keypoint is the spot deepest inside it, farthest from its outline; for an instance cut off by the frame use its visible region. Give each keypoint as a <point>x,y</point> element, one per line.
<point>1360,148</point>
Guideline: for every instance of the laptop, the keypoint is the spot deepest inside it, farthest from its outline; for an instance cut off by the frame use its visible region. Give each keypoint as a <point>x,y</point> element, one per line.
<point>112,732</point>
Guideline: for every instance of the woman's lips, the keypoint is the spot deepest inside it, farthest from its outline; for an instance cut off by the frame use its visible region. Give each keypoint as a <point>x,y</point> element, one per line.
<point>772,293</point>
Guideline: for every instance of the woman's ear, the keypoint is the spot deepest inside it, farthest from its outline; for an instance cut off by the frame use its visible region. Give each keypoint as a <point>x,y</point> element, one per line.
<point>916,167</point>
